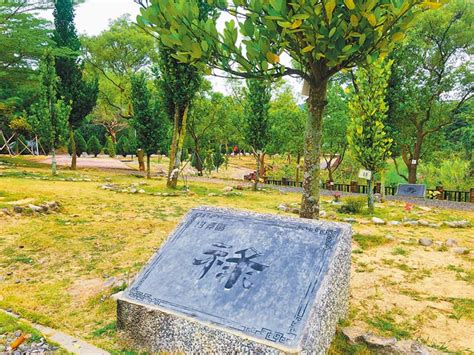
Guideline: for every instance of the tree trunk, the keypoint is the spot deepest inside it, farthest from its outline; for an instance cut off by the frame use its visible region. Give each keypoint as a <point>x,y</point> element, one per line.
<point>382,185</point>
<point>199,165</point>
<point>370,194</point>
<point>113,135</point>
<point>54,170</point>
<point>298,160</point>
<point>74,152</point>
<point>262,171</point>
<point>141,159</point>
<point>179,132</point>
<point>257,171</point>
<point>412,173</point>
<point>312,170</point>
<point>148,170</point>
<point>413,167</point>
<point>330,173</point>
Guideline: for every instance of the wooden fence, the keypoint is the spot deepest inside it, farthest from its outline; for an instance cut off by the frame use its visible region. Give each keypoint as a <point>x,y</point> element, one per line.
<point>440,193</point>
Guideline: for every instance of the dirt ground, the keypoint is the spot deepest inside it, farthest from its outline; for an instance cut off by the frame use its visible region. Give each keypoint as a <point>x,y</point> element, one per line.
<point>101,162</point>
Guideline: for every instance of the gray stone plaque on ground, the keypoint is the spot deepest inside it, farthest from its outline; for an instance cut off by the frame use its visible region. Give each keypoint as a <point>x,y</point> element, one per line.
<point>233,281</point>
<point>411,190</point>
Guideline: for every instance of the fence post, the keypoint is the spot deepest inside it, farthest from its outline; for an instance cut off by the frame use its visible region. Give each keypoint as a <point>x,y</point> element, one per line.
<point>378,187</point>
<point>471,195</point>
<point>354,188</point>
<point>440,189</point>
<point>330,185</point>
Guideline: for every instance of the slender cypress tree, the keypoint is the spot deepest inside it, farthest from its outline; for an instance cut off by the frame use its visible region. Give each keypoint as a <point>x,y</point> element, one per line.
<point>49,115</point>
<point>256,122</point>
<point>148,122</point>
<point>81,94</point>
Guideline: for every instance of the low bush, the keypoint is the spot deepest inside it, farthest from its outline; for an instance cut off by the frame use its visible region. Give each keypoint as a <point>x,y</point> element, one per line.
<point>353,205</point>
<point>93,146</point>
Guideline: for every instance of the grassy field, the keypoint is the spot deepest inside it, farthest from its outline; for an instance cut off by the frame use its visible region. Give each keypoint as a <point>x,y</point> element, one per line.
<point>60,269</point>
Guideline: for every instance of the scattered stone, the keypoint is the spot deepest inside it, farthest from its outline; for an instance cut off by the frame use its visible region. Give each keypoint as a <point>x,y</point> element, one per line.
<point>17,209</point>
<point>133,191</point>
<point>239,187</point>
<point>377,220</point>
<point>376,342</point>
<point>426,242</point>
<point>36,209</point>
<point>141,191</point>
<point>322,214</point>
<point>363,221</point>
<point>410,223</point>
<point>350,220</point>
<point>6,211</point>
<point>438,244</point>
<point>451,243</point>
<point>353,334</point>
<point>394,223</point>
<point>52,205</point>
<point>435,225</point>
<point>423,222</point>
<point>389,237</point>
<point>377,198</point>
<point>228,189</point>
<point>212,194</point>
<point>461,251</point>
<point>413,348</point>
<point>108,187</point>
<point>458,224</point>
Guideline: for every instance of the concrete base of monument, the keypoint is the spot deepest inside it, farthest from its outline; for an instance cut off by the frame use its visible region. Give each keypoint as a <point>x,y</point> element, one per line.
<point>157,328</point>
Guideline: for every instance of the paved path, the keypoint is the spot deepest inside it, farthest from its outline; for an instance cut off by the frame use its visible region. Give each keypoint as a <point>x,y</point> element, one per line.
<point>71,344</point>
<point>101,162</point>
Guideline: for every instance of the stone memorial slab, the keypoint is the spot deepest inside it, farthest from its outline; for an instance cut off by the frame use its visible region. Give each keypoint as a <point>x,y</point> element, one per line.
<point>411,190</point>
<point>234,281</point>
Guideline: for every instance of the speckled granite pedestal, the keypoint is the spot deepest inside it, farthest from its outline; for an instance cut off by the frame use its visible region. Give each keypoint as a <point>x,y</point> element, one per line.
<point>229,281</point>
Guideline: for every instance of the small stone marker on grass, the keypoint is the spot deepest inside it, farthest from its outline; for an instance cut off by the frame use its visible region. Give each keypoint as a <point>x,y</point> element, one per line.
<point>411,190</point>
<point>232,281</point>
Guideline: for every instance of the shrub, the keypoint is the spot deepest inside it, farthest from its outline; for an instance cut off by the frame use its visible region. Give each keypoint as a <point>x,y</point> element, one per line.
<point>93,146</point>
<point>122,145</point>
<point>109,147</point>
<point>81,145</point>
<point>353,205</point>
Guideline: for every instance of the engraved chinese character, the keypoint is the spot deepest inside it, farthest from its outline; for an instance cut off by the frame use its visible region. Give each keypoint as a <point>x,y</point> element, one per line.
<point>241,266</point>
<point>244,266</point>
<point>215,257</point>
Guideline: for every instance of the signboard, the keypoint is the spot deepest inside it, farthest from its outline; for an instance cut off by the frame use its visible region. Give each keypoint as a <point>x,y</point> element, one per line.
<point>411,190</point>
<point>365,174</point>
